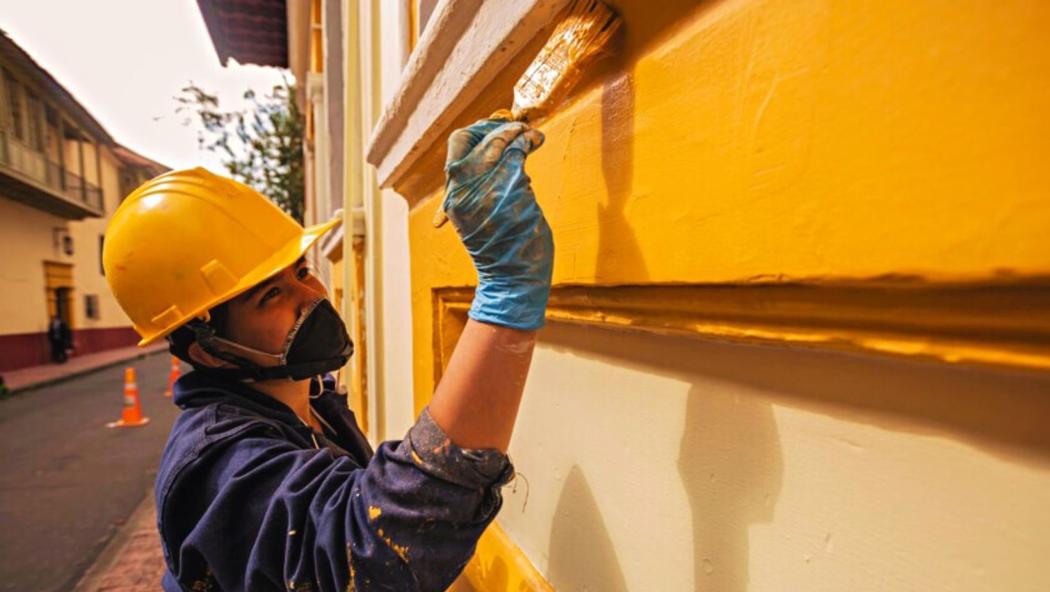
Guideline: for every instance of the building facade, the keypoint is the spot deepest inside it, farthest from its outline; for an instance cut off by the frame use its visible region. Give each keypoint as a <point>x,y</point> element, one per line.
<point>61,175</point>
<point>798,334</point>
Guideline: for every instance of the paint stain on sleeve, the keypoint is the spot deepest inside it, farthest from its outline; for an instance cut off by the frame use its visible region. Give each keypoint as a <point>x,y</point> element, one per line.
<point>351,586</point>
<point>400,550</point>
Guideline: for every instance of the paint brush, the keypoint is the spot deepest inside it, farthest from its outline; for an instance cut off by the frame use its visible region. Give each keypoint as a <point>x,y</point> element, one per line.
<point>580,37</point>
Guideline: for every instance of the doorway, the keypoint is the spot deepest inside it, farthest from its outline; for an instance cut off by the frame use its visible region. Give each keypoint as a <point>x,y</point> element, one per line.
<point>58,281</point>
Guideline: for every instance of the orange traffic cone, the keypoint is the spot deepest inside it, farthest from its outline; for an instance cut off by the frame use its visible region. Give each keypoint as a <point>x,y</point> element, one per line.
<point>172,376</point>
<point>132,415</point>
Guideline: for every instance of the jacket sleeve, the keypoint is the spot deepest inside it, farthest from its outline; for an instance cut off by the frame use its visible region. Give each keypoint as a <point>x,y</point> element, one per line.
<point>273,516</point>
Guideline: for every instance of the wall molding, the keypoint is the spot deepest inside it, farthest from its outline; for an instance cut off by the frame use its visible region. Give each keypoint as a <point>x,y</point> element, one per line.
<point>1003,325</point>
<point>498,564</point>
<point>466,46</point>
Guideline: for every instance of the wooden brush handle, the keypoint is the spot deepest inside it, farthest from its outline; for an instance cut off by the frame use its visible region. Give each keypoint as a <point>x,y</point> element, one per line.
<point>503,115</point>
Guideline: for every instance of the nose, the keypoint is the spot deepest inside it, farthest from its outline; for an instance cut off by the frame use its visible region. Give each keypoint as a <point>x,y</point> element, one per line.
<point>306,292</point>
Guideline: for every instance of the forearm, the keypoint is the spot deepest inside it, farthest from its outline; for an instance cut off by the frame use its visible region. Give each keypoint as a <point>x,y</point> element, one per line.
<point>477,400</point>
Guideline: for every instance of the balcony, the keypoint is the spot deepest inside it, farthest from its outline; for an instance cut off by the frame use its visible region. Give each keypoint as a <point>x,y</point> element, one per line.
<point>27,175</point>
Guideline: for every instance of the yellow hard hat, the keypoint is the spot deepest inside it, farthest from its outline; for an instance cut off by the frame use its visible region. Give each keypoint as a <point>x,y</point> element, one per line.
<point>190,240</point>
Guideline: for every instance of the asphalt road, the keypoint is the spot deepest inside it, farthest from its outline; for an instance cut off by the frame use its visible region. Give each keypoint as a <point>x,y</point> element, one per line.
<point>68,482</point>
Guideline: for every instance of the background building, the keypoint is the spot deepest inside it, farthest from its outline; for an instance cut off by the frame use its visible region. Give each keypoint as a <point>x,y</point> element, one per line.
<point>798,338</point>
<point>61,175</point>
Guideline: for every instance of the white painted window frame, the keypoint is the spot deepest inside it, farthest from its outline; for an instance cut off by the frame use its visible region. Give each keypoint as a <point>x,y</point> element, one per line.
<point>465,45</point>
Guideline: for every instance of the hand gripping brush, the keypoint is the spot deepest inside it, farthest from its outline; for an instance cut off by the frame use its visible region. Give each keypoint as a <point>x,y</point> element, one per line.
<point>579,37</point>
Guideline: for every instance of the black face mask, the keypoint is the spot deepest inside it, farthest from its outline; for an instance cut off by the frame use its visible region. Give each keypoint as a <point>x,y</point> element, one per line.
<point>318,343</point>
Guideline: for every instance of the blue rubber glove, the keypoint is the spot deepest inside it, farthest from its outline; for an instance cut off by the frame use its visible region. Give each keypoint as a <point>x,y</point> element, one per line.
<point>489,200</point>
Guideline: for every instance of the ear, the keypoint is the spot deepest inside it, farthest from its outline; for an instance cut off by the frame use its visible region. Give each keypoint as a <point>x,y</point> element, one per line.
<point>199,356</point>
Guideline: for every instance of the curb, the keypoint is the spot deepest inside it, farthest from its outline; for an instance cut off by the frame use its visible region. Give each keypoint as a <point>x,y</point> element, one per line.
<point>110,553</point>
<point>78,373</point>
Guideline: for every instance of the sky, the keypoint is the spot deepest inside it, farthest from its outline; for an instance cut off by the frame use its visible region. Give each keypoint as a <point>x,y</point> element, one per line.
<point>125,60</point>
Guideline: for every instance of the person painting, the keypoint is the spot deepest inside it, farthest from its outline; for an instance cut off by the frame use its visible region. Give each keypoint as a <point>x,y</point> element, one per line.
<point>266,482</point>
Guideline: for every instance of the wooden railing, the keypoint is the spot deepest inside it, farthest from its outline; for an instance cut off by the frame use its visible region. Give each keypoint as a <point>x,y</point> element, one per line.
<point>34,164</point>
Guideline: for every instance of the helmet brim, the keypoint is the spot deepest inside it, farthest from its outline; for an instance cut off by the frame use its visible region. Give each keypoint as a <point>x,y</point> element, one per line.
<point>282,258</point>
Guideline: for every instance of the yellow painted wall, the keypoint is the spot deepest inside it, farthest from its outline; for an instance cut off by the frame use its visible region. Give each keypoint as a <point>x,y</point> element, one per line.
<point>86,269</point>
<point>781,140</point>
<point>778,141</point>
<point>27,239</point>
<point>745,141</point>
<point>28,235</point>
<point>71,152</point>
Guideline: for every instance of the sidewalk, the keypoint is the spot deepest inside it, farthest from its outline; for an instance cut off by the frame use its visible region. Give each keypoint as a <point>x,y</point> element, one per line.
<point>132,561</point>
<point>39,376</point>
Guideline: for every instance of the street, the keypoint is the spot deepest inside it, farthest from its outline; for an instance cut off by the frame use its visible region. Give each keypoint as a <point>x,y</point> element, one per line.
<point>68,481</point>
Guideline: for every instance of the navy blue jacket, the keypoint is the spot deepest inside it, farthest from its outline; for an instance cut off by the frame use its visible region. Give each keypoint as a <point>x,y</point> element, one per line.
<point>250,498</point>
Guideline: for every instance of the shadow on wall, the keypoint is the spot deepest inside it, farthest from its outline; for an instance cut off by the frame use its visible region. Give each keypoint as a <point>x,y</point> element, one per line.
<point>730,458</point>
<point>731,469</point>
<point>582,556</point>
<point>729,461</point>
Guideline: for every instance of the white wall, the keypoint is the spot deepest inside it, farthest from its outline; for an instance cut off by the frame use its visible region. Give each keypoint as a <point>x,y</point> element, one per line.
<point>394,315</point>
<point>658,463</point>
<point>398,414</point>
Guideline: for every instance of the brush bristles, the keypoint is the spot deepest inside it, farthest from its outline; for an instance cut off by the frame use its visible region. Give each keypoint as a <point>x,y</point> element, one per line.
<point>579,36</point>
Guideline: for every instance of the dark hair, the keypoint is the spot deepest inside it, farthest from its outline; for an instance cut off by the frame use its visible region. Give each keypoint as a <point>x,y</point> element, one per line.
<point>180,339</point>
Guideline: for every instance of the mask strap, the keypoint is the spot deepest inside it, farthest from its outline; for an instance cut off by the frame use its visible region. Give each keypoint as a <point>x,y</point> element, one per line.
<point>245,349</point>
<point>247,369</point>
<point>205,336</point>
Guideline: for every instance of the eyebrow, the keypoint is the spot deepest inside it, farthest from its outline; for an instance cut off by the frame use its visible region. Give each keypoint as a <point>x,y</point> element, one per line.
<point>251,292</point>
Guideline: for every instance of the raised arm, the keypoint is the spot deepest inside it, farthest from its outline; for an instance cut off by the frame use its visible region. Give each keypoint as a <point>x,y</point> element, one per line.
<point>490,202</point>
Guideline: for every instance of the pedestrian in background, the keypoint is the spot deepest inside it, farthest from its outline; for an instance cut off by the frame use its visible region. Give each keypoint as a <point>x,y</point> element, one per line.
<point>59,337</point>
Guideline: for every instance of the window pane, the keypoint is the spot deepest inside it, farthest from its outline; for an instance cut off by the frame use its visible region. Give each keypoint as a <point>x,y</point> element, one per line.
<point>14,105</point>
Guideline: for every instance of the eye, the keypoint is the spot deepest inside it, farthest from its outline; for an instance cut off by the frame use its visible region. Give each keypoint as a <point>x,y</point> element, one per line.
<point>271,293</point>
<point>303,272</point>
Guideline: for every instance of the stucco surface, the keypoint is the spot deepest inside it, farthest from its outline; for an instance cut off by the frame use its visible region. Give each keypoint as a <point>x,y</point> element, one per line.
<point>87,257</point>
<point>398,412</point>
<point>28,238</point>
<point>26,241</point>
<point>735,142</point>
<point>658,463</point>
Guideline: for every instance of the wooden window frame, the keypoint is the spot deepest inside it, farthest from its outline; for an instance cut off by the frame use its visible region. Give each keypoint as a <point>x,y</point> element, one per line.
<point>14,99</point>
<point>35,119</point>
<point>91,310</point>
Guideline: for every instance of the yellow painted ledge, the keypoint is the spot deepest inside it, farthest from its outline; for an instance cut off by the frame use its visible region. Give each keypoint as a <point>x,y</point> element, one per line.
<point>498,564</point>
<point>1000,326</point>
